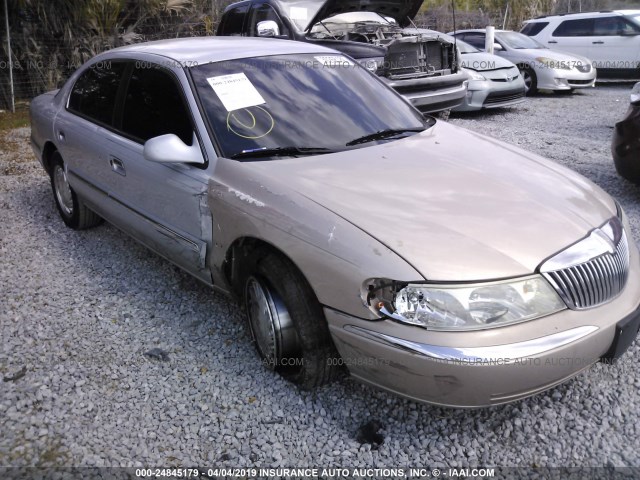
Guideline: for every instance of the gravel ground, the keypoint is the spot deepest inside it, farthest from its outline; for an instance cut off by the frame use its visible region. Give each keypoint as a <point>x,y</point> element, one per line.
<point>79,310</point>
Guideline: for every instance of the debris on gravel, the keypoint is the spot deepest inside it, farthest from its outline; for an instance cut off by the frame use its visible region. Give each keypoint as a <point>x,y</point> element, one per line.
<point>78,309</point>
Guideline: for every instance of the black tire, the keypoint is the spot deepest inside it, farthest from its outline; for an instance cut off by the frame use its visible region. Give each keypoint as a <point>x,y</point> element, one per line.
<point>73,211</point>
<point>530,79</point>
<point>309,358</point>
<point>444,115</point>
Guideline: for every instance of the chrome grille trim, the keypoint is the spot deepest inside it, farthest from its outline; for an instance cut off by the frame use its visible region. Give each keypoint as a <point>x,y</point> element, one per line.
<point>595,281</point>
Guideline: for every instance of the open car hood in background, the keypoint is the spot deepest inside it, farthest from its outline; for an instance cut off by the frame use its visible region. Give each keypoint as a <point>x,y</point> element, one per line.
<point>402,11</point>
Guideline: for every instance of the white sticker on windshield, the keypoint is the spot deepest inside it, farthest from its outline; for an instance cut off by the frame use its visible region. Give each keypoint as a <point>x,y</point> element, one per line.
<point>298,13</point>
<point>236,91</point>
<point>334,61</point>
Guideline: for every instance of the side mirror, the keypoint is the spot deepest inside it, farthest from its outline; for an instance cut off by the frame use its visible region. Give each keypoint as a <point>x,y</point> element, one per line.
<point>268,28</point>
<point>497,47</point>
<point>635,94</point>
<point>170,149</point>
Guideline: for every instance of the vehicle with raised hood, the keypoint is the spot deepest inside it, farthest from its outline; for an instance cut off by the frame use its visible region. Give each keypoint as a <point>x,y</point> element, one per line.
<point>422,65</point>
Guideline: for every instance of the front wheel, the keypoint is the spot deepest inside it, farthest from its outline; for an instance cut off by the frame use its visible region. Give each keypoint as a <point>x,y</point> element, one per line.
<point>530,80</point>
<point>73,211</point>
<point>287,322</point>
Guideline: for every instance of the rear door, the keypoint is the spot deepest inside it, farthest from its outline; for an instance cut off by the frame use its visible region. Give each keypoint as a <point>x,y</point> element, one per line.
<point>80,128</point>
<point>573,36</point>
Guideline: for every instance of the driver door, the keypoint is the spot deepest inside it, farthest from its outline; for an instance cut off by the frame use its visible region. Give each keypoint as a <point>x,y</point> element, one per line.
<point>163,205</point>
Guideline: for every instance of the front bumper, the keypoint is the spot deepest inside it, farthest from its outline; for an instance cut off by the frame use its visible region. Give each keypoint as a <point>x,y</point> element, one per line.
<point>557,79</point>
<point>625,145</point>
<point>432,94</point>
<point>487,367</point>
<point>492,94</point>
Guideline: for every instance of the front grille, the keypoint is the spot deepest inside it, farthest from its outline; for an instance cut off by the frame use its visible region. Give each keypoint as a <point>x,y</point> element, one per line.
<point>510,79</point>
<point>580,82</point>
<point>434,55</point>
<point>408,59</point>
<point>501,97</point>
<point>593,282</point>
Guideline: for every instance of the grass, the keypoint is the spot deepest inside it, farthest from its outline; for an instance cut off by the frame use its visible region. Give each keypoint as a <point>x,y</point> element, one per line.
<point>9,120</point>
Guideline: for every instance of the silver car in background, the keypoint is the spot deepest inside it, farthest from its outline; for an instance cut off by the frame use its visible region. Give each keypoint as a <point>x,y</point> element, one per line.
<point>541,68</point>
<point>428,260</point>
<point>493,81</point>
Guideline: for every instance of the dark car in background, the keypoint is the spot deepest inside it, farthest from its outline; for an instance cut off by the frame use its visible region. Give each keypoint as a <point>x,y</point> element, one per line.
<point>626,140</point>
<point>422,65</point>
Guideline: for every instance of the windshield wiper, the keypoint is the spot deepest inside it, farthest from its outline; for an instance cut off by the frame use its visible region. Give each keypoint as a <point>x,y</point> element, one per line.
<point>382,134</point>
<point>281,152</point>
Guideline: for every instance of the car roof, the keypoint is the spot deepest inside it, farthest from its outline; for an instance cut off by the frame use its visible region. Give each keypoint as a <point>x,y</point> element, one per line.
<point>583,15</point>
<point>201,50</point>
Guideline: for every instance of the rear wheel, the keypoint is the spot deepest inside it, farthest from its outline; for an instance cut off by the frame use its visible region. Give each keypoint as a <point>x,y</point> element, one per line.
<point>72,210</point>
<point>287,322</point>
<point>530,80</point>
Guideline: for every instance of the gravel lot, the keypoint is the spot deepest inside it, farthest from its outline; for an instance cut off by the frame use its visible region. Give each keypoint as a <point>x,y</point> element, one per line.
<point>79,310</point>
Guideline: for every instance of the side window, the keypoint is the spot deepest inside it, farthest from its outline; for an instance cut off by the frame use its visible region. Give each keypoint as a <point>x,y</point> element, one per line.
<point>154,106</point>
<point>533,28</point>
<point>613,26</point>
<point>575,28</point>
<point>94,93</point>
<point>262,13</point>
<point>232,21</point>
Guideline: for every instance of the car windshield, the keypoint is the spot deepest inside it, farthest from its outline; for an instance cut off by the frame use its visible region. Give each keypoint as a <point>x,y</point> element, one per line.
<point>465,47</point>
<point>635,18</point>
<point>301,12</point>
<point>293,103</point>
<point>340,22</point>
<point>518,41</point>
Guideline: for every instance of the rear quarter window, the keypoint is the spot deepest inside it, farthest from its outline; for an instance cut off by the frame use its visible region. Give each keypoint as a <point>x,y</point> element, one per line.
<point>533,28</point>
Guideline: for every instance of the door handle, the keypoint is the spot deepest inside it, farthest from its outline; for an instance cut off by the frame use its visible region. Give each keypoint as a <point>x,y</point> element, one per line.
<point>598,43</point>
<point>552,41</point>
<point>117,166</point>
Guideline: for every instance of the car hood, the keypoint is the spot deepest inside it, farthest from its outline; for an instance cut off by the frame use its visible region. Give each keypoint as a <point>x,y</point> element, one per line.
<point>455,205</point>
<point>484,62</point>
<point>401,10</point>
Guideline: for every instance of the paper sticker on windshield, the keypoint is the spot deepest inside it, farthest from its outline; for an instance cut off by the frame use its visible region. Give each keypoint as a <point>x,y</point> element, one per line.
<point>298,13</point>
<point>236,91</point>
<point>334,61</point>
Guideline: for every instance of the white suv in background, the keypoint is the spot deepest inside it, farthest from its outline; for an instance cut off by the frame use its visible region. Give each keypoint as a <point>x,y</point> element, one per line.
<point>610,39</point>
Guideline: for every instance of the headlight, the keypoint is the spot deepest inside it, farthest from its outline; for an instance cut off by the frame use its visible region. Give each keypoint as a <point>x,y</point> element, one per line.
<point>556,64</point>
<point>462,307</point>
<point>372,64</point>
<point>473,75</point>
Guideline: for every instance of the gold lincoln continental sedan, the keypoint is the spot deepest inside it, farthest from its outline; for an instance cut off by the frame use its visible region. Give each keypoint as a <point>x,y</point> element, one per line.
<point>430,261</point>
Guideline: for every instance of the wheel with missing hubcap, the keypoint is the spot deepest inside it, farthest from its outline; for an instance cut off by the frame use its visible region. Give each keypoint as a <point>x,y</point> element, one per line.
<point>286,320</point>
<point>270,323</point>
